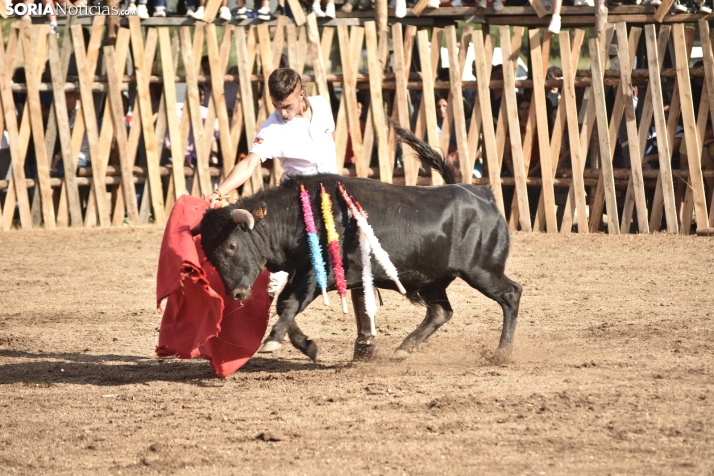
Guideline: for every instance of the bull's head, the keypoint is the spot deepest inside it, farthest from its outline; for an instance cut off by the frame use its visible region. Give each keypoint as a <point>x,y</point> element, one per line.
<point>233,247</point>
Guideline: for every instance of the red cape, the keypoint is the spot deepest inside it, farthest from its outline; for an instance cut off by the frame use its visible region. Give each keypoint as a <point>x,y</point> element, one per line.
<point>198,320</point>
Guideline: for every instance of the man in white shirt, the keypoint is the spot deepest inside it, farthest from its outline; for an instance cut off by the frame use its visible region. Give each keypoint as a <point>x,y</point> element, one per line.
<point>301,134</point>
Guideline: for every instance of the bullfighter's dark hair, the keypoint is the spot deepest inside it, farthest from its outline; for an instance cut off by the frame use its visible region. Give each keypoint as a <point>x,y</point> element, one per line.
<point>282,82</point>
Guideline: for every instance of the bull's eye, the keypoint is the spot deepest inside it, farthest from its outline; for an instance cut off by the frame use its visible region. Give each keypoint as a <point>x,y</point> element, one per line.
<point>232,247</point>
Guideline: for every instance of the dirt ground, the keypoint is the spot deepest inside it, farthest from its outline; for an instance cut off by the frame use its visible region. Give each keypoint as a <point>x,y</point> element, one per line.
<point>611,373</point>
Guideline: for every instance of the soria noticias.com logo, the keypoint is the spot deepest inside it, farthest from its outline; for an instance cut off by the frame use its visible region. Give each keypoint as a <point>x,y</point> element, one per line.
<point>22,9</point>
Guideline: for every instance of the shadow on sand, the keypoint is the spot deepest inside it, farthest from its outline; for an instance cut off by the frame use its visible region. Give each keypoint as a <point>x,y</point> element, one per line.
<point>112,369</point>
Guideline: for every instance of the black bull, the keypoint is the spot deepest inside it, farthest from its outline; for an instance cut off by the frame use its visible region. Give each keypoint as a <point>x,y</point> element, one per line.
<point>433,235</point>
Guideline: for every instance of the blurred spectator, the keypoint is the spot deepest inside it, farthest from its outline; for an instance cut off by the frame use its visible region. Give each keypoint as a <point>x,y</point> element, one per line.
<point>329,9</point>
<point>349,153</point>
<point>263,13</point>
<point>553,94</point>
<point>223,13</point>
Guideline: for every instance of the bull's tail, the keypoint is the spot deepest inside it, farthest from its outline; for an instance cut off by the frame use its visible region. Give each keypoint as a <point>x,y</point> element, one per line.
<point>428,156</point>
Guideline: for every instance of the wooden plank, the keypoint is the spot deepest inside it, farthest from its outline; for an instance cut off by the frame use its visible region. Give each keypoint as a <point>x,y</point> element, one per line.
<point>267,63</point>
<point>428,91</point>
<point>539,8</point>
<point>419,7</point>
<point>349,92</point>
<point>219,98</point>
<point>598,90</point>
<point>543,130</point>
<point>279,39</point>
<point>690,133</point>
<point>212,7</point>
<point>655,58</point>
<point>660,49</point>
<point>688,205</point>
<point>568,96</point>
<point>501,122</point>
<point>33,80</point>
<point>16,158</point>
<point>297,11</point>
<point>466,159</point>
<point>672,125</point>
<point>614,128</point>
<point>663,10</point>
<point>142,85</point>
<point>588,124</point>
<point>117,114</point>
<point>245,67</point>
<point>192,105</point>
<point>318,63</point>
<point>291,32</point>
<point>58,125</point>
<point>708,56</point>
<point>401,72</point>
<point>632,136</point>
<point>483,78</point>
<point>509,94</point>
<point>302,49</point>
<point>86,78</point>
<point>376,101</point>
<point>328,35</point>
<point>476,121</point>
<point>177,151</point>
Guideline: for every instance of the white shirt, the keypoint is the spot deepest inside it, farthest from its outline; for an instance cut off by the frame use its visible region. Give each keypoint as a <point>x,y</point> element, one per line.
<point>303,147</point>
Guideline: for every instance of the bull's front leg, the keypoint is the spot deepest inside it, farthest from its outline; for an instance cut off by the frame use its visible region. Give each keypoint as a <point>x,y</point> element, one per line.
<point>294,298</point>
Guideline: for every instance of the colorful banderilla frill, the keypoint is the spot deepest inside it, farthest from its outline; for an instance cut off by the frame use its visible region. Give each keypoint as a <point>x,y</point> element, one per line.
<point>318,263</point>
<point>369,242</point>
<point>333,246</point>
<point>380,255</point>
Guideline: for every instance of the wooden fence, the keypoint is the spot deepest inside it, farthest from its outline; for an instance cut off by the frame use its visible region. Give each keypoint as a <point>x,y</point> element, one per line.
<point>595,112</point>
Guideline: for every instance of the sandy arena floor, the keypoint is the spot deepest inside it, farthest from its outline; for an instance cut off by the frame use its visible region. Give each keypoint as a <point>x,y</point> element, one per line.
<point>612,371</point>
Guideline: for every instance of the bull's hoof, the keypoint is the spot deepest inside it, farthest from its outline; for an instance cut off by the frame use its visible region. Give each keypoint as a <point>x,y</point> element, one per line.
<point>368,353</point>
<point>311,350</point>
<point>400,354</point>
<point>269,346</point>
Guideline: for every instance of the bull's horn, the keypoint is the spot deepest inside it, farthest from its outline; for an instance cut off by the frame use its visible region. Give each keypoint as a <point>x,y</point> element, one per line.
<point>243,216</point>
<point>196,230</point>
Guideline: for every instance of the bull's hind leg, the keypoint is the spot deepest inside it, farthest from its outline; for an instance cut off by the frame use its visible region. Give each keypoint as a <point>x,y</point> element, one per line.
<point>505,292</point>
<point>438,312</point>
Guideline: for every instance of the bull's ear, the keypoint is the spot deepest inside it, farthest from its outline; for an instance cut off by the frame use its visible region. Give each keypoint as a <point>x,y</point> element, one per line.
<point>196,230</point>
<point>260,211</point>
<point>243,216</point>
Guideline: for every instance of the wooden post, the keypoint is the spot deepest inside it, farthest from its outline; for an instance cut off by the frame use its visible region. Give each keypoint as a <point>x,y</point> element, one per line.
<point>633,140</point>
<point>86,79</point>
<point>483,79</point>
<point>349,90</point>
<point>297,11</point>
<point>117,114</point>
<point>457,100</point>
<point>509,95</point>
<point>142,86</point>
<point>598,91</point>
<point>245,66</point>
<point>401,72</point>
<point>572,116</point>
<point>428,90</point>
<point>16,158</point>
<point>376,103</point>
<point>318,64</point>
<point>194,109</point>
<point>33,70</point>
<point>690,132</point>
<point>218,97</point>
<point>543,131</point>
<point>655,58</point>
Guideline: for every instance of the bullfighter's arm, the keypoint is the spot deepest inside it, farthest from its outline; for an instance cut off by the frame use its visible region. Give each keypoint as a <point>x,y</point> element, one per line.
<point>240,173</point>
